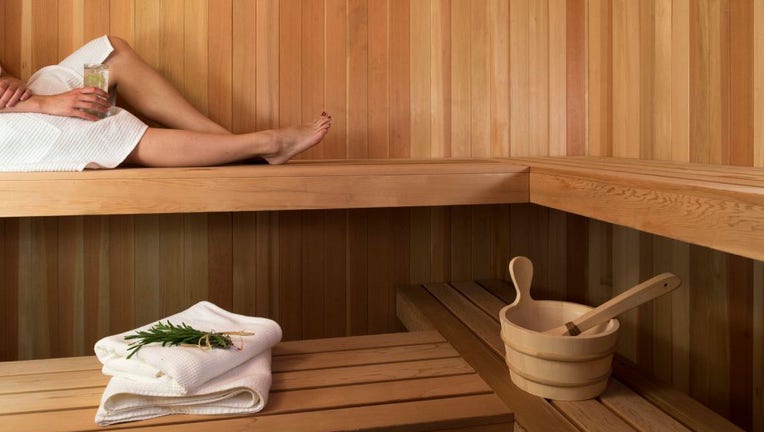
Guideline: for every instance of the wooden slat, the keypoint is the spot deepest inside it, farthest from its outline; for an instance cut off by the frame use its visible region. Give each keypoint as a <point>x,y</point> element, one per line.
<point>263,188</point>
<point>635,410</point>
<point>686,410</point>
<point>361,357</point>
<point>278,402</point>
<point>437,413</point>
<point>591,416</point>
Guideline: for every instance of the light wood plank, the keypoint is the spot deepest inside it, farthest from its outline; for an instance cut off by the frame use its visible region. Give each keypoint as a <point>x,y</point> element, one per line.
<point>358,80</point>
<point>680,80</point>
<point>379,75</point>
<point>538,79</point>
<point>312,80</point>
<point>635,410</point>
<point>519,78</point>
<point>400,79</point>
<point>664,195</point>
<point>336,144</point>
<point>558,74</point>
<point>592,416</point>
<point>244,67</point>
<point>532,412</point>
<point>662,81</point>
<point>626,87</point>
<point>678,405</point>
<point>599,78</point>
<point>758,83</point>
<point>420,78</point>
<point>498,21</point>
<point>576,100</point>
<point>479,95</point>
<point>442,32</point>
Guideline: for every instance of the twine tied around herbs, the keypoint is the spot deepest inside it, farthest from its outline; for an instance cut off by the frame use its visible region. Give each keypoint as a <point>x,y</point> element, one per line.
<point>183,335</point>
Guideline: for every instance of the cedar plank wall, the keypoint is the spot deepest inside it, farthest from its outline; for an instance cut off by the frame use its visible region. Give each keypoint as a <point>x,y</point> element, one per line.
<point>658,79</point>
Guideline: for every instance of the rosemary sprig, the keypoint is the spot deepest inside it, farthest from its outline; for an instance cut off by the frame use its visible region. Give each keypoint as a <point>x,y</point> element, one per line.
<point>169,334</point>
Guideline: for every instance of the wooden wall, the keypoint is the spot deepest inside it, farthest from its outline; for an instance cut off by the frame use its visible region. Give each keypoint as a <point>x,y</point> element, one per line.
<point>654,79</point>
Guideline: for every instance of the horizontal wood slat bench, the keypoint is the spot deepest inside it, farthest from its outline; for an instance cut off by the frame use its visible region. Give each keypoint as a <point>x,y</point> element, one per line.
<point>393,382</point>
<point>466,314</point>
<point>721,207</point>
<point>297,185</point>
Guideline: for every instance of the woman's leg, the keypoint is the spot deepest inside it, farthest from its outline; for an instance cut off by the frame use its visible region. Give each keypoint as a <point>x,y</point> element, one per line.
<point>151,94</point>
<point>172,147</point>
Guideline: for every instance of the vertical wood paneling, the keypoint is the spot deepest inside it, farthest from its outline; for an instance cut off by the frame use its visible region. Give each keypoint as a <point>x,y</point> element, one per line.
<point>10,306</point>
<point>647,69</point>
<point>195,53</point>
<point>357,80</point>
<point>575,40</point>
<point>420,79</point>
<point>664,79</point>
<point>680,80</point>
<point>498,20</point>
<point>440,79</point>
<point>558,74</point>
<point>335,144</point>
<point>244,73</point>
<point>289,63</point>
<point>461,84</point>
<point>599,78</point>
<point>400,79</point>
<point>626,82</point>
<point>313,270</point>
<point>519,78</point>
<point>538,80</point>
<point>378,70</point>
<point>312,46</point>
<point>741,40</point>
<point>661,117</point>
<point>121,19</point>
<point>267,73</point>
<point>479,96</point>
<point>758,83</point>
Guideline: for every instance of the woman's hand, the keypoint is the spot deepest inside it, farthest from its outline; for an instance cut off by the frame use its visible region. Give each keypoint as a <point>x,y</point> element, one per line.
<point>12,90</point>
<point>74,103</point>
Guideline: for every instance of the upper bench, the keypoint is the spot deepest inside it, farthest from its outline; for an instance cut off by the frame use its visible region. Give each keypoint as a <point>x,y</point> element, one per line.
<point>721,207</point>
<point>299,185</point>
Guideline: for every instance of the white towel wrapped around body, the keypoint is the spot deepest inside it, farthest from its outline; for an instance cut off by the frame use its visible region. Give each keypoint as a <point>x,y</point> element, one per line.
<point>159,380</point>
<point>41,142</point>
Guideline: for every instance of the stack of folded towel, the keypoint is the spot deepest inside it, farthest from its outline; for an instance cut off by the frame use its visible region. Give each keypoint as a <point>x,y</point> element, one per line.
<point>159,380</point>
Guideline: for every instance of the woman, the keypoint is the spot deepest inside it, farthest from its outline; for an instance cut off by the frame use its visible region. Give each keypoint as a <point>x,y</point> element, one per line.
<point>70,138</point>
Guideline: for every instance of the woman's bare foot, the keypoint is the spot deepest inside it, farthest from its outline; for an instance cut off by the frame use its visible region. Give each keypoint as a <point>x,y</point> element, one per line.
<point>293,140</point>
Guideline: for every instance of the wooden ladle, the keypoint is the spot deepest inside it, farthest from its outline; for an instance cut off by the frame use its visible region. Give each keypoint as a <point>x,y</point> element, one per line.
<point>631,298</point>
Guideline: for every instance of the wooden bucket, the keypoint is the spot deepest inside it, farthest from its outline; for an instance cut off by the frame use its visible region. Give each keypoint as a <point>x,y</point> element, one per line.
<point>556,367</point>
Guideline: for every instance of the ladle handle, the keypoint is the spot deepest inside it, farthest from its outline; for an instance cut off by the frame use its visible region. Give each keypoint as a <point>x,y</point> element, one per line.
<point>629,299</point>
<point>521,271</point>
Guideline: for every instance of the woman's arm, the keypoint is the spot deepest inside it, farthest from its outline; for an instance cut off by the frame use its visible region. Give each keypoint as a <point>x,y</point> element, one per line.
<point>70,104</point>
<point>12,90</point>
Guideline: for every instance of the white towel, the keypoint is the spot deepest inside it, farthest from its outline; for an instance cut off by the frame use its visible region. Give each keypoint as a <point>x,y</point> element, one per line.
<point>40,142</point>
<point>159,380</point>
<point>242,390</point>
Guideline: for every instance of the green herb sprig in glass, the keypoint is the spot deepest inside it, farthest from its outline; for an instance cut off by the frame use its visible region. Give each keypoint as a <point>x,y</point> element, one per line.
<point>183,335</point>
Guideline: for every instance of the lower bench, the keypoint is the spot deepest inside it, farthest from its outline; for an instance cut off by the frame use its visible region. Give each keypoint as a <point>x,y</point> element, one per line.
<point>394,382</point>
<point>467,314</point>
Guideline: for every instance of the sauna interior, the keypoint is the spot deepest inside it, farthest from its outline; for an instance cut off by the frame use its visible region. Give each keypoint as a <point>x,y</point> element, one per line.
<point>665,80</point>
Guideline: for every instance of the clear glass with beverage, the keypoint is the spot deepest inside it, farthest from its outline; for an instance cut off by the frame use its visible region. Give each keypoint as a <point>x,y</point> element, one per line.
<point>96,75</point>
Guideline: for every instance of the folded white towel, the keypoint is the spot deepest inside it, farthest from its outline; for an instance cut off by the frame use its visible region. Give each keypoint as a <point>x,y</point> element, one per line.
<point>159,380</point>
<point>182,370</point>
<point>241,390</point>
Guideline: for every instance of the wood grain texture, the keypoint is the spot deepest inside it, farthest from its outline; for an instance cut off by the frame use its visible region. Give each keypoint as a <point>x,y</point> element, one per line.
<point>694,68</point>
